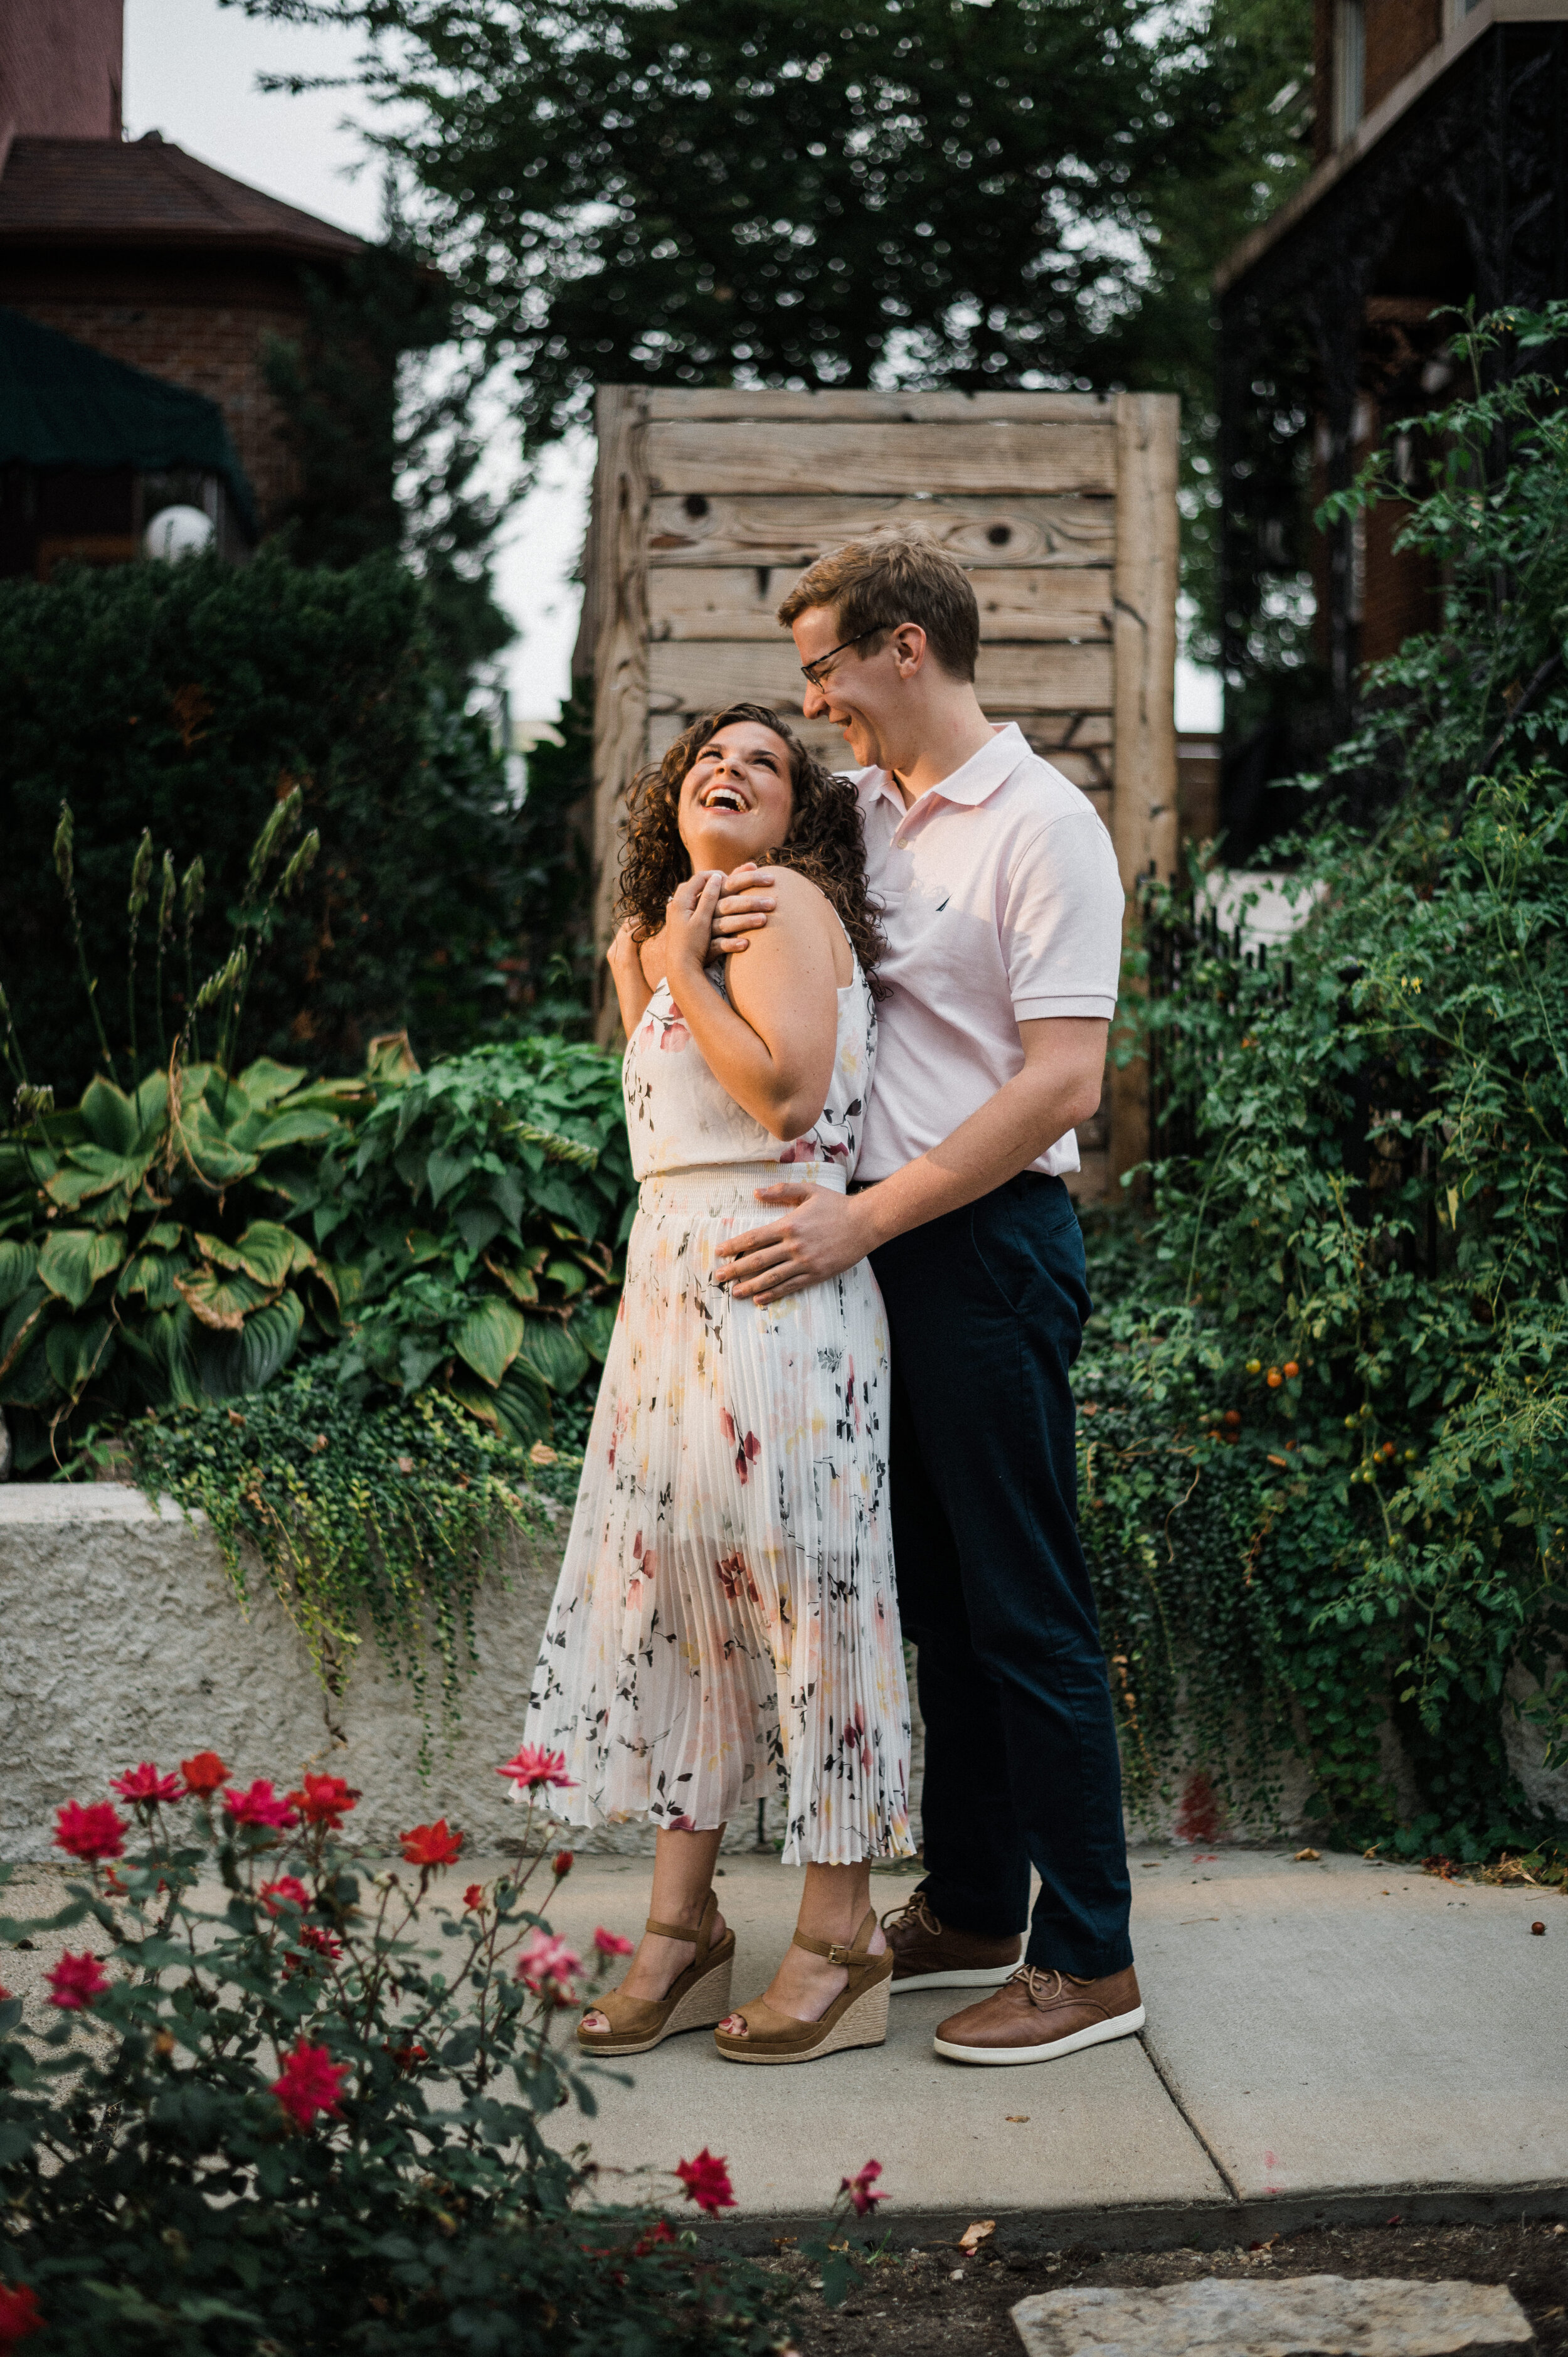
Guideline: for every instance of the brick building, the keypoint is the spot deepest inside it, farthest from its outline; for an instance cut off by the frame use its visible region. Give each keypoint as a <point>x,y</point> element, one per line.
<point>1440,174</point>
<point>142,253</point>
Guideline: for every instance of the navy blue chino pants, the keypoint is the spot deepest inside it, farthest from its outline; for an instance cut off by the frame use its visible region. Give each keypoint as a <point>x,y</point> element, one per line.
<point>985,1311</point>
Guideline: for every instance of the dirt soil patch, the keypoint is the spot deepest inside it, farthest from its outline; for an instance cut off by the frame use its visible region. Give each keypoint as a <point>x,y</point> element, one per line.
<point>918,2303</point>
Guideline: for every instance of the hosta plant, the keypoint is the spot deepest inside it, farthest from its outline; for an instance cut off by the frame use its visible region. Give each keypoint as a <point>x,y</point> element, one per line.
<point>272,2102</point>
<point>483,1205</point>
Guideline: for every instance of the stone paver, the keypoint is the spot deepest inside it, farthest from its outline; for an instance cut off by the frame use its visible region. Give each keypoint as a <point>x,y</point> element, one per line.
<point>1297,2316</point>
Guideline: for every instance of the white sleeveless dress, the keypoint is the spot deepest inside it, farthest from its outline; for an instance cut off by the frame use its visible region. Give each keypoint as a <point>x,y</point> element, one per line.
<point>726,1615</point>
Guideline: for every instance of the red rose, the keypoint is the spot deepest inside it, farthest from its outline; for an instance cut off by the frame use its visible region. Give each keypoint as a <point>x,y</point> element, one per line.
<point>145,1783</point>
<point>325,1801</point>
<point>561,1863</point>
<point>19,2315</point>
<point>76,1982</point>
<point>611,1944</point>
<point>706,2181</point>
<point>203,1774</point>
<point>311,2083</point>
<point>260,1806</point>
<point>475,1895</point>
<point>91,1834</point>
<point>435,1844</point>
<point>534,1766</point>
<point>859,2189</point>
<point>287,1886</point>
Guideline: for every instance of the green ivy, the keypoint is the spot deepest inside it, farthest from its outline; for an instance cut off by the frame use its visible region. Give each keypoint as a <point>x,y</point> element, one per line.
<point>391,1517</point>
<point>1326,1409</point>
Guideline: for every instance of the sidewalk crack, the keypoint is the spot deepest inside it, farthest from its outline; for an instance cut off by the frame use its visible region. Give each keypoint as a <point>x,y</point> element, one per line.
<point>1168,2083</point>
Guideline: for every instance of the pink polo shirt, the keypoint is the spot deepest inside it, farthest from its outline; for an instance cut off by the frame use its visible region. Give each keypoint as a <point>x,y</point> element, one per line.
<point>1001,903</point>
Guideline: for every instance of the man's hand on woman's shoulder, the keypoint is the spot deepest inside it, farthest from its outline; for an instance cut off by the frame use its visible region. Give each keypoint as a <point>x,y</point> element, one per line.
<point>749,896</point>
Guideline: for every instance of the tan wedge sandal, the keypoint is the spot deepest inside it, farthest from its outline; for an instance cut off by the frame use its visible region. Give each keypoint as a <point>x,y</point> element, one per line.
<point>857,2017</point>
<point>694,1999</point>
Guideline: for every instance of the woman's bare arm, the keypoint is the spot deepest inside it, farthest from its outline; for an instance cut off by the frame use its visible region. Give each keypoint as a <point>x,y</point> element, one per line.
<point>633,989</point>
<point>772,1047</point>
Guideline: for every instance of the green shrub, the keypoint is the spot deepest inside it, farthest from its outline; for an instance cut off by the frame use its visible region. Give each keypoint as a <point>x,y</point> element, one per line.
<point>184,700</point>
<point>483,1205</point>
<point>1325,1413</point>
<point>272,2112</point>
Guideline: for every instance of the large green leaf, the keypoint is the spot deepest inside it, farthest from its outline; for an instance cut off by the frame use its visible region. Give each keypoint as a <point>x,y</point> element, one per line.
<point>522,1403</point>
<point>29,1382</point>
<point>161,1349</point>
<point>267,1252</point>
<point>110,1116</point>
<point>232,1363</point>
<point>490,1337</point>
<point>210,1152</point>
<point>18,1266</point>
<point>222,1299</point>
<point>77,1349</point>
<point>594,1325</point>
<point>445,1171</point>
<point>153,1276</point>
<point>152,1107</point>
<point>513,1274</point>
<point>29,1306</point>
<point>90,1170</point>
<point>73,1259</point>
<point>264,1133</point>
<point>478,1224</point>
<point>265,1082</point>
<point>556,1353</point>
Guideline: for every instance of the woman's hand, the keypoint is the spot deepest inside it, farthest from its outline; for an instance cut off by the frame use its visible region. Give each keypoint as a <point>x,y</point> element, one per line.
<point>688,923</point>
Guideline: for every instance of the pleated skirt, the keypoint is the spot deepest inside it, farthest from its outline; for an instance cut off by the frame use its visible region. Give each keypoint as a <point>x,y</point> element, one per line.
<point>725,1624</point>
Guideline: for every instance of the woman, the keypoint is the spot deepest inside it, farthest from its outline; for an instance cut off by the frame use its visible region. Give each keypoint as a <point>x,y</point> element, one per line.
<point>725,1607</point>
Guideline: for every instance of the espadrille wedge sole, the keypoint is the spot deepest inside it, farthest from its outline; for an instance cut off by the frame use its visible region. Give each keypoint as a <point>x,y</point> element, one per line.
<point>695,1999</point>
<point>858,2016</point>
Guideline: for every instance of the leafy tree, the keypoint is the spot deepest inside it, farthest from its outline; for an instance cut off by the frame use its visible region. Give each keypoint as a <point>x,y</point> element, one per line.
<point>182,703</point>
<point>380,398</point>
<point>822,192</point>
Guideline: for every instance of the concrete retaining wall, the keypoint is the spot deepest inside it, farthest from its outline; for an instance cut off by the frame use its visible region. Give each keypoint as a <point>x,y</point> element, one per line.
<point>121,1640</point>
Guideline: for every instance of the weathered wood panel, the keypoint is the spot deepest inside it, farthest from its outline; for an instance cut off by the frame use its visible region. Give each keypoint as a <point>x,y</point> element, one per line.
<point>985,456</point>
<point>734,601</point>
<point>893,408</point>
<point>1144,819</point>
<point>620,671</point>
<point>700,529</point>
<point>692,675</point>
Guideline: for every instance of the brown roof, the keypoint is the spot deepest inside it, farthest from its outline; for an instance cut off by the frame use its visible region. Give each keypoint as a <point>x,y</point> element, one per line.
<point>147,192</point>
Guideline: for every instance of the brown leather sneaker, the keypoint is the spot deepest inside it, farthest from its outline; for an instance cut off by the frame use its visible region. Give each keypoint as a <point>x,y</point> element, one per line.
<point>929,1955</point>
<point>1039,2015</point>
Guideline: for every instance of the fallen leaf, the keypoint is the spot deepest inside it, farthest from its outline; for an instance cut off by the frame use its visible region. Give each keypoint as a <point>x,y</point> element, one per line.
<point>973,2236</point>
<point>1308,1857</point>
<point>1018,2119</point>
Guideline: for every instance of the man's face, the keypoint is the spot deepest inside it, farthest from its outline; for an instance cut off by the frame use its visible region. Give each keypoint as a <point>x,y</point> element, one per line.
<point>859,693</point>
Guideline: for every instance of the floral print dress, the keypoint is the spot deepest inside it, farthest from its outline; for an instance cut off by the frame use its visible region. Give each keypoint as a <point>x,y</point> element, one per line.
<point>725,1619</point>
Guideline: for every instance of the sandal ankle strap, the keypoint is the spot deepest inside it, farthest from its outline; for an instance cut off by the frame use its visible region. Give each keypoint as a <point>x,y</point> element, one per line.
<point>702,1938</point>
<point>841,1952</point>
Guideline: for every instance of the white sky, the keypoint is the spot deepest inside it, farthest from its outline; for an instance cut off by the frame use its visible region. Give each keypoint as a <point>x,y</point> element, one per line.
<point>191,71</point>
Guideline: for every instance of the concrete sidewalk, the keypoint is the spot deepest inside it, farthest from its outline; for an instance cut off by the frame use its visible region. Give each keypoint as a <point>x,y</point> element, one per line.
<point>1320,2037</point>
<point>1328,2042</point>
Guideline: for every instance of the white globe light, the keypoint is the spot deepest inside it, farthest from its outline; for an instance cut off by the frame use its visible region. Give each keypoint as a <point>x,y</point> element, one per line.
<point>177,531</point>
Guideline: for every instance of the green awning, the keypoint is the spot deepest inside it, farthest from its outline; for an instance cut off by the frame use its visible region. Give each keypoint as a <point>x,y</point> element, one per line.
<point>63,404</point>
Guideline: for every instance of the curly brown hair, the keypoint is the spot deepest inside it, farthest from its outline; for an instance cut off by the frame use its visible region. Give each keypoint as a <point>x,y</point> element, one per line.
<point>825,842</point>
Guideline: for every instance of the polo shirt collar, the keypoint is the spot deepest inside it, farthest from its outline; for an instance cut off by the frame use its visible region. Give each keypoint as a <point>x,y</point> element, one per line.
<point>973,783</point>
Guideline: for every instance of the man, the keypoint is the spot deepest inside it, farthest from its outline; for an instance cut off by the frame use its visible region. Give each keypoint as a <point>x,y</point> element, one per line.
<point>1002,911</point>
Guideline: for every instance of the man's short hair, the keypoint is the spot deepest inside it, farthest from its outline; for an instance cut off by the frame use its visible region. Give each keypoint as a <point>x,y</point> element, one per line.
<point>874,584</point>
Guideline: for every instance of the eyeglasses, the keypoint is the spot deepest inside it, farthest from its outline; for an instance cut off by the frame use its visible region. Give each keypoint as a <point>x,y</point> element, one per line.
<point>812,672</point>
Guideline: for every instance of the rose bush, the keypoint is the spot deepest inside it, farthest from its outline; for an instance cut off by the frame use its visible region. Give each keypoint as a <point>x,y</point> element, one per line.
<point>276,2105</point>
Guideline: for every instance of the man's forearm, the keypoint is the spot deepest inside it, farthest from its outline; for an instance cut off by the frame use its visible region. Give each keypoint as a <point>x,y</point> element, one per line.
<point>1008,1133</point>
